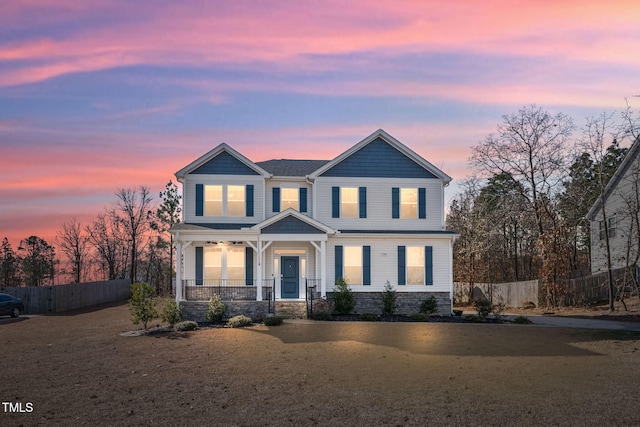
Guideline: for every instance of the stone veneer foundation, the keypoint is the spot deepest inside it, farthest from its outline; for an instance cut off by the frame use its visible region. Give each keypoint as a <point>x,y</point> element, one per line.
<point>370,302</point>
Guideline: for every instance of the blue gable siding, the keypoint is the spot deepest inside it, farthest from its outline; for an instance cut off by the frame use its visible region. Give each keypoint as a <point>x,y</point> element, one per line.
<point>378,159</point>
<point>224,164</point>
<point>291,225</point>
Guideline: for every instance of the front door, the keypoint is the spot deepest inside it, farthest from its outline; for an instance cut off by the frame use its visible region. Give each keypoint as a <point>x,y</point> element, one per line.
<point>290,277</point>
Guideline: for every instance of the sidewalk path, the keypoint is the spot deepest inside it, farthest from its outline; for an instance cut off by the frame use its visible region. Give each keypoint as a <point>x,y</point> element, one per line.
<point>573,322</point>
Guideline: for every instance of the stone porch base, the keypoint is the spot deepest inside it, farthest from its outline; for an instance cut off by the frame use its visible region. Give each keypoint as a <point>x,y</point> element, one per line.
<point>369,302</point>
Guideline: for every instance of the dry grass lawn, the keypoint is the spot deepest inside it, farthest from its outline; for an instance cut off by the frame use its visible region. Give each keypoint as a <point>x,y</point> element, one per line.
<point>77,370</point>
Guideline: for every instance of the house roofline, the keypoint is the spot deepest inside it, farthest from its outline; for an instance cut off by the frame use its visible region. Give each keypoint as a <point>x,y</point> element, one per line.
<point>213,153</point>
<point>294,213</point>
<point>380,133</point>
<point>628,160</point>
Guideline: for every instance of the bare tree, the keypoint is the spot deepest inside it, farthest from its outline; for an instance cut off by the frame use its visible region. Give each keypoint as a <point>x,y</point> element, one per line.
<point>597,135</point>
<point>531,147</point>
<point>466,219</point>
<point>106,236</point>
<point>73,242</point>
<point>133,209</point>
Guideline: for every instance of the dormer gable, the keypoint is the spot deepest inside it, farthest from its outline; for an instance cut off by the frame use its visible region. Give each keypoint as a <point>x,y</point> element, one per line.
<point>380,155</point>
<point>291,221</point>
<point>222,160</point>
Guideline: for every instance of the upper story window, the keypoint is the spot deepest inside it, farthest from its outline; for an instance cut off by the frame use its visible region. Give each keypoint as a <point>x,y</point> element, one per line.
<point>213,200</point>
<point>224,200</point>
<point>289,198</point>
<point>612,228</point>
<point>235,200</point>
<point>408,203</point>
<point>349,202</point>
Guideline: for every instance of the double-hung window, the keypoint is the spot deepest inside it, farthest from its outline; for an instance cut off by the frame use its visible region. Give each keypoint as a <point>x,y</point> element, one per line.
<point>224,200</point>
<point>408,203</point>
<point>415,265</point>
<point>235,200</point>
<point>612,228</point>
<point>213,200</point>
<point>349,202</point>
<point>223,265</point>
<point>353,264</point>
<point>289,198</point>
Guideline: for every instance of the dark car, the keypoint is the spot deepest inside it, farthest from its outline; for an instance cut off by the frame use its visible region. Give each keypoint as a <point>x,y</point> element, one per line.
<point>10,305</point>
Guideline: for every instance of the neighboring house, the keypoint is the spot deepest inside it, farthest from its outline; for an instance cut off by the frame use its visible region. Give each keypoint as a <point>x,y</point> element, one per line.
<point>275,229</point>
<point>622,209</point>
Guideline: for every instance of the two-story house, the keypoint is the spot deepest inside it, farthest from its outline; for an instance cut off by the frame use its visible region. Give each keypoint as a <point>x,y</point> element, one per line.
<point>619,217</point>
<point>272,231</point>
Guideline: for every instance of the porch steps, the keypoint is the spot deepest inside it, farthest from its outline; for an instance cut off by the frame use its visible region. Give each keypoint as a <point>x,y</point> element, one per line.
<point>291,309</point>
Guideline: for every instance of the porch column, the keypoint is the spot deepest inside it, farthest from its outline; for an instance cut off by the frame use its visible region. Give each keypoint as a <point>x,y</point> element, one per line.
<point>323,262</point>
<point>259,273</point>
<point>178,271</point>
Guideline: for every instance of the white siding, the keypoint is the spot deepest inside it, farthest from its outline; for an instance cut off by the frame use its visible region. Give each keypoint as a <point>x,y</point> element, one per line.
<point>189,198</point>
<point>621,204</point>
<point>384,263</point>
<point>379,204</point>
<point>270,184</point>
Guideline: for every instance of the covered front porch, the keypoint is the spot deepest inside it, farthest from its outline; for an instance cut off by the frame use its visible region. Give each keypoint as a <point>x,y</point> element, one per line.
<point>282,258</point>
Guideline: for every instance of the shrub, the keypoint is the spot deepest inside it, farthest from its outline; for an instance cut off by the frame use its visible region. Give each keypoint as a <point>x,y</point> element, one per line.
<point>343,297</point>
<point>483,307</point>
<point>239,321</point>
<point>369,317</point>
<point>171,311</point>
<point>429,306</point>
<point>272,321</point>
<point>389,299</point>
<point>187,325</point>
<point>216,310</point>
<point>419,317</point>
<point>522,320</point>
<point>142,303</point>
<point>497,311</point>
<point>473,318</point>
<point>322,315</point>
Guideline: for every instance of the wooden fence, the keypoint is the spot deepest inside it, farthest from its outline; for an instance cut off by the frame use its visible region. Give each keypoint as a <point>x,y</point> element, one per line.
<point>56,299</point>
<point>594,289</point>
<point>573,292</point>
<point>512,294</point>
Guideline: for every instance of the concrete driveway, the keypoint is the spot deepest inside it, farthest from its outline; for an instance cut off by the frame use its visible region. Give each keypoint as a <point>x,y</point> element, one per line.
<point>573,322</point>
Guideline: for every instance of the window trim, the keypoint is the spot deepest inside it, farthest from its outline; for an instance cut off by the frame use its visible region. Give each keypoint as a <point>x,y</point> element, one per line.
<point>360,203</point>
<point>225,188</point>
<point>224,265</point>
<point>612,220</point>
<point>427,264</point>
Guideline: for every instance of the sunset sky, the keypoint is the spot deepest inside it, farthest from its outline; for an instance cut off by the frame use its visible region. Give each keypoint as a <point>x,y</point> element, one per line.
<point>101,95</point>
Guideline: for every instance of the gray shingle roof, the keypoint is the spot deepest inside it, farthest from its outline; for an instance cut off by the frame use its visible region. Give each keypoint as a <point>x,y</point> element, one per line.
<point>285,167</point>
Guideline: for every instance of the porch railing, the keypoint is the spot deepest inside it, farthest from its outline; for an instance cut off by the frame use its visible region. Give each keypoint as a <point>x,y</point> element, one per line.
<point>227,290</point>
<point>312,287</point>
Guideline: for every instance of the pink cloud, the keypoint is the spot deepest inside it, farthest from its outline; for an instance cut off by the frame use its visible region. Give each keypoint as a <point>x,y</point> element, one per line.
<point>207,33</point>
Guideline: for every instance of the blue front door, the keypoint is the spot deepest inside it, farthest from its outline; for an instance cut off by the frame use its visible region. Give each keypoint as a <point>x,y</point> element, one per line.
<point>290,272</point>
